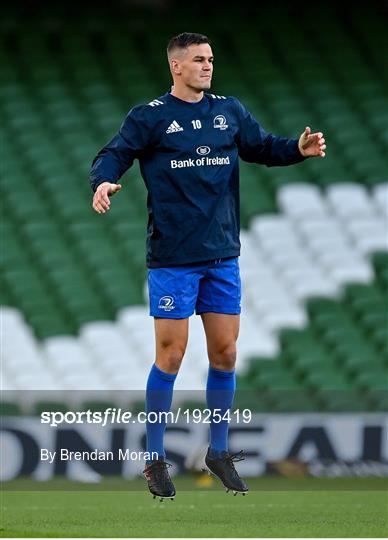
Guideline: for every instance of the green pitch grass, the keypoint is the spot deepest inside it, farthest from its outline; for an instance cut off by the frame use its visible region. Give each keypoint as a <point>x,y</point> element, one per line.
<point>297,508</point>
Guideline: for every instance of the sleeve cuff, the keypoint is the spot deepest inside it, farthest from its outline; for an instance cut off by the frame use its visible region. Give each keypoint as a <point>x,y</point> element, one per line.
<point>298,156</point>
<point>96,183</point>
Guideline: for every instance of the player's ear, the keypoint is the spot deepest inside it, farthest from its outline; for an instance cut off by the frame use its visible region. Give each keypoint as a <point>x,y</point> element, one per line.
<point>175,66</point>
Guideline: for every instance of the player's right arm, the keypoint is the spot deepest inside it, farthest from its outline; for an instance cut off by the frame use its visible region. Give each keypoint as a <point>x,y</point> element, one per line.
<point>116,157</point>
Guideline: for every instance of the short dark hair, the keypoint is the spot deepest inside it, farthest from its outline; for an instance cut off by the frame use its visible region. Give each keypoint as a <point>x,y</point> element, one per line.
<point>182,41</point>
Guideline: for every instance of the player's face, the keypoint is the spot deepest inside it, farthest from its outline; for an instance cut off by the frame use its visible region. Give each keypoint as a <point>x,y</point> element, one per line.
<point>196,66</point>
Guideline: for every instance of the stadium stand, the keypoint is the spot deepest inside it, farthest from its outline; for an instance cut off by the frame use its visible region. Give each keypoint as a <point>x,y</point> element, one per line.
<point>314,257</point>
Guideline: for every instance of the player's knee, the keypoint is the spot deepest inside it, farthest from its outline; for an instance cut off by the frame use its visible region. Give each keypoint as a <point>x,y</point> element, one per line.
<point>170,358</point>
<point>224,358</point>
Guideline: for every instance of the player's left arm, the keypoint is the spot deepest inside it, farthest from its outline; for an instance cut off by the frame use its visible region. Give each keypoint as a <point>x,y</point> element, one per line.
<point>258,146</point>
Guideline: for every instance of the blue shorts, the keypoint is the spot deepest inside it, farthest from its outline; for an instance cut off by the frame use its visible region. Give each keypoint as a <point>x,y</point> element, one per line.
<point>177,291</point>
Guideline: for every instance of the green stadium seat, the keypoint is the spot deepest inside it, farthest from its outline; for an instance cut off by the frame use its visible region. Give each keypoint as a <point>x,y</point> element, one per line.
<point>97,405</point>
<point>50,406</point>
<point>309,360</point>
<point>50,322</point>
<point>9,408</point>
<point>359,364</point>
<point>248,396</point>
<point>376,380</point>
<point>26,204</point>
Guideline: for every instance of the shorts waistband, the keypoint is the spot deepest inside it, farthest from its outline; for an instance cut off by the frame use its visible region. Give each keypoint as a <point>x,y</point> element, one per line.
<point>210,261</point>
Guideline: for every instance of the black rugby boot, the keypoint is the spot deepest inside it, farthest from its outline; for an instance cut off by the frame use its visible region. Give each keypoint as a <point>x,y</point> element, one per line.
<point>158,479</point>
<point>223,468</point>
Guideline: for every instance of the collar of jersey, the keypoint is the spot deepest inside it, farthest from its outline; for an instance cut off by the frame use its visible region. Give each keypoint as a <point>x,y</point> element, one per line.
<point>187,103</point>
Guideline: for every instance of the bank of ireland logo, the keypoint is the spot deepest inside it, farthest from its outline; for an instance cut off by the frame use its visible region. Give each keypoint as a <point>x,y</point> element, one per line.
<point>166,303</point>
<point>203,150</point>
<point>219,122</point>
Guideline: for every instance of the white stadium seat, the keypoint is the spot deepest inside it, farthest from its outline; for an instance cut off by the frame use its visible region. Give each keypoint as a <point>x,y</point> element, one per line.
<point>299,200</point>
<point>369,234</point>
<point>107,342</point>
<point>254,339</point>
<point>73,363</point>
<point>7,382</point>
<point>129,380</point>
<point>339,255</point>
<point>380,196</point>
<point>66,352</point>
<point>30,380</point>
<point>319,226</point>
<point>320,244</point>
<point>315,286</point>
<point>20,350</point>
<point>290,257</point>
<point>138,327</point>
<point>349,199</point>
<point>272,228</point>
<point>290,316</point>
<point>361,273</point>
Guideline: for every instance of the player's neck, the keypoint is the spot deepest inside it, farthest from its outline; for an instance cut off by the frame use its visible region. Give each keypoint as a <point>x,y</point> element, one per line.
<point>186,94</point>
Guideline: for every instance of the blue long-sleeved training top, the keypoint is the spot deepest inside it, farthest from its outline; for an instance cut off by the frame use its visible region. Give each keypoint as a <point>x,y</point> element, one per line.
<point>188,155</point>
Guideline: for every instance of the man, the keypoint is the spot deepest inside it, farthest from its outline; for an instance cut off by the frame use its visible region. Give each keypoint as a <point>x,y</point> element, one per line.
<point>188,144</point>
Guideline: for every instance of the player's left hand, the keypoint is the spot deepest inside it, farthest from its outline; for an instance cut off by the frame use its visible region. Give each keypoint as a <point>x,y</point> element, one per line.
<point>311,144</point>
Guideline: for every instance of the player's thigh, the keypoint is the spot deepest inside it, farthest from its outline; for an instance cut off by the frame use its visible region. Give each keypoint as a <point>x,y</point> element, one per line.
<point>171,336</point>
<point>221,331</point>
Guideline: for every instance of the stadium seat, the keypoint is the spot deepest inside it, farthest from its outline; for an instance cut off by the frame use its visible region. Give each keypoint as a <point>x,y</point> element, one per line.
<point>380,194</point>
<point>9,408</point>
<point>349,200</point>
<point>301,201</point>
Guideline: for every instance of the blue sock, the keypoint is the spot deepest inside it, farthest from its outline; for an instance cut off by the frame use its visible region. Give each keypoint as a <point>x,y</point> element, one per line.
<point>219,395</point>
<point>159,390</point>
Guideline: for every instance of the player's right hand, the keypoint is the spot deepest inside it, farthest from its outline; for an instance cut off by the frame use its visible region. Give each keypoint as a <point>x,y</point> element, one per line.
<point>101,201</point>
